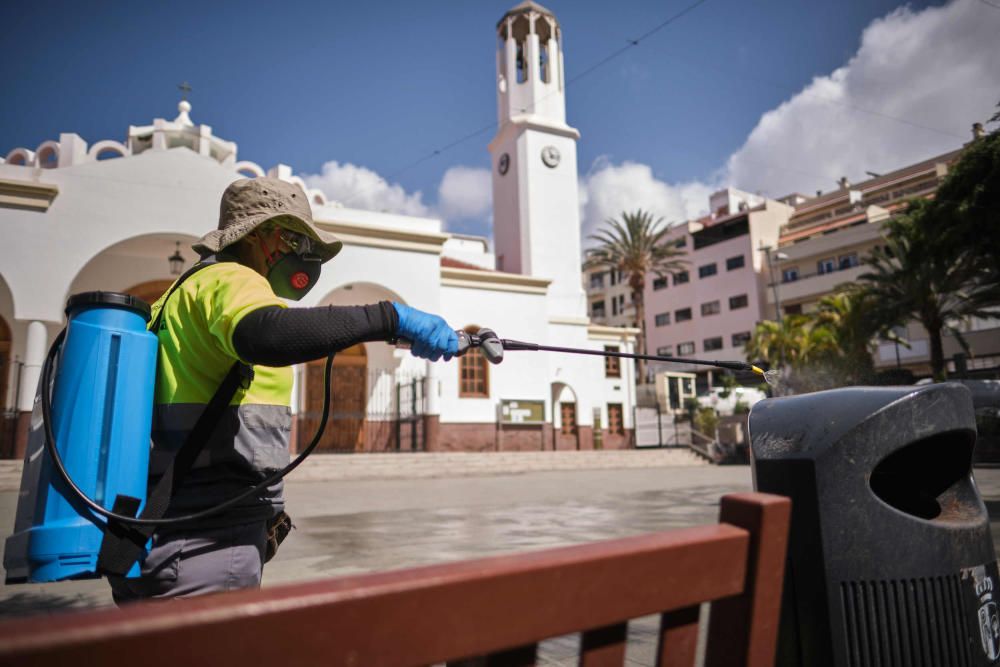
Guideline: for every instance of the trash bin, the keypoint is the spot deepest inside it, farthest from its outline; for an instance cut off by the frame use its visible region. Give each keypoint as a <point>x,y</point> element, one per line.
<point>890,558</point>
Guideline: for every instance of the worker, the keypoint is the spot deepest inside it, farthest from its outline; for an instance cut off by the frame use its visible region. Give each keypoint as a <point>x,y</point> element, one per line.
<point>230,308</point>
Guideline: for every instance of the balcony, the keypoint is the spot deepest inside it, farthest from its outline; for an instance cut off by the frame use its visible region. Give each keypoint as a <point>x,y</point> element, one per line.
<point>812,286</point>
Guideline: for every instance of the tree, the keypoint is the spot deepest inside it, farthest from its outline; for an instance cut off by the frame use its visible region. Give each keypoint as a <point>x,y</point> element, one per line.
<point>797,347</point>
<point>635,245</point>
<point>919,275</point>
<point>967,206</point>
<point>848,316</point>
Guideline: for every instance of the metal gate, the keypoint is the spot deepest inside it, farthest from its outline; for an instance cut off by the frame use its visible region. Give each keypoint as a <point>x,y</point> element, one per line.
<point>388,416</point>
<point>657,428</point>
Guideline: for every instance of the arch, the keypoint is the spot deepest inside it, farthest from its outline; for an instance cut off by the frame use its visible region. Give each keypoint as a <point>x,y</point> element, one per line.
<point>249,169</point>
<point>137,265</point>
<point>565,417</point>
<point>151,290</point>
<point>317,197</point>
<point>107,150</point>
<point>47,154</point>
<point>21,157</point>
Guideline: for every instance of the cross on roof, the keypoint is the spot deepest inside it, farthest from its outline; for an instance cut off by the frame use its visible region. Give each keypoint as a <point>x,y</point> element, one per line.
<point>185,88</point>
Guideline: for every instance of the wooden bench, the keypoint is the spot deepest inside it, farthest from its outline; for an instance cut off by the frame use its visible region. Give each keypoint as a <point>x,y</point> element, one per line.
<point>498,608</point>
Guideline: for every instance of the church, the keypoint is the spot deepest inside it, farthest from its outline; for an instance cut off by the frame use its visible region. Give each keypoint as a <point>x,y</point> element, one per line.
<point>121,216</point>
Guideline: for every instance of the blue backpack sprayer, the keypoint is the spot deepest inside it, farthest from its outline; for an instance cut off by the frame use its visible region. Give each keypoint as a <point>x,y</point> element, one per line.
<point>83,486</point>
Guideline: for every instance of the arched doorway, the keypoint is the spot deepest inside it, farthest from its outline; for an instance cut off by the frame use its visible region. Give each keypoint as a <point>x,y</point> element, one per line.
<point>345,429</point>
<point>8,418</point>
<point>150,290</point>
<point>565,420</point>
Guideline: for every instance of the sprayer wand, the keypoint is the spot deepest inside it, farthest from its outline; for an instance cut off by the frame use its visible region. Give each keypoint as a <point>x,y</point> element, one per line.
<point>493,347</point>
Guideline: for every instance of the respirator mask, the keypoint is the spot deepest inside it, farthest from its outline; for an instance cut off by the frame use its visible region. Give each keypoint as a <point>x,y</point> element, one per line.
<point>292,274</point>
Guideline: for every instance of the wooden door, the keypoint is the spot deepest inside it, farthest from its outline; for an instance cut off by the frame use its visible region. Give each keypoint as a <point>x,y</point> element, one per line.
<point>566,438</point>
<point>345,429</point>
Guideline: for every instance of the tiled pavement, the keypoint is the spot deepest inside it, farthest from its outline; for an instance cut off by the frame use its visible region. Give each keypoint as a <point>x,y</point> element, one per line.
<point>358,525</point>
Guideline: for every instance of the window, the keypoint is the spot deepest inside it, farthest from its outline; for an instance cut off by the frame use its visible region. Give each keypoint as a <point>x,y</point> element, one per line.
<point>707,270</point>
<point>682,315</point>
<point>794,309</point>
<point>847,261</point>
<point>685,348</point>
<point>615,424</point>
<point>710,308</point>
<point>567,412</point>
<point>825,266</point>
<point>712,344</point>
<point>660,283</point>
<point>612,368</point>
<point>597,309</point>
<point>737,302</point>
<point>614,306</point>
<point>790,275</point>
<point>621,304</point>
<point>597,280</point>
<point>474,375</point>
<point>740,339</point>
<point>681,242</point>
<point>665,350</point>
<point>662,319</point>
<point>616,276</point>
<point>680,278</point>
<point>735,263</point>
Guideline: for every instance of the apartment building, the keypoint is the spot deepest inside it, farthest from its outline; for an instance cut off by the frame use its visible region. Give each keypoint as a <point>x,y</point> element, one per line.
<point>609,298</point>
<point>827,239</point>
<point>709,310</point>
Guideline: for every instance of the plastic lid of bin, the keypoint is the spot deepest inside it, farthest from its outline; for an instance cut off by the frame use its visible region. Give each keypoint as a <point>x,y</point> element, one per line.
<point>116,299</point>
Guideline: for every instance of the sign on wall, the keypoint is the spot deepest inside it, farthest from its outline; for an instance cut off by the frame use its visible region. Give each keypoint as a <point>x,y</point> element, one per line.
<point>522,412</point>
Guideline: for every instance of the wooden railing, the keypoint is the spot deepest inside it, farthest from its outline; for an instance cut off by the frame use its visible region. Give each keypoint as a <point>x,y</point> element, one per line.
<point>492,611</point>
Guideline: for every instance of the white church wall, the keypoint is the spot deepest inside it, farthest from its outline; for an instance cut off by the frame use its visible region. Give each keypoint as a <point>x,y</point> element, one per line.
<point>521,375</point>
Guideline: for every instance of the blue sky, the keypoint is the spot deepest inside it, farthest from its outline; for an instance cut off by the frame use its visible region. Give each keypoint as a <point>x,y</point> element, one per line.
<point>379,85</point>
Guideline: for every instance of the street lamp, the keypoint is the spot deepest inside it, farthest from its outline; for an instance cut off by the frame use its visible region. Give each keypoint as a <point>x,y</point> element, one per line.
<point>176,261</point>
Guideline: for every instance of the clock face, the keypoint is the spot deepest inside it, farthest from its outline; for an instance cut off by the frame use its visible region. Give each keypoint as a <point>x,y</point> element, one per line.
<point>550,156</point>
<point>503,164</point>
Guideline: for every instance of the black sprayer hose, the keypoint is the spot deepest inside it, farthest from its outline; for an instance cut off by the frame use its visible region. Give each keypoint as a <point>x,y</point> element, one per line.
<point>50,447</point>
<point>730,365</point>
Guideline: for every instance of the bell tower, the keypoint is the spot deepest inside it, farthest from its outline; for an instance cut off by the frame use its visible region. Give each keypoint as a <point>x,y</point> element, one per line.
<point>536,217</point>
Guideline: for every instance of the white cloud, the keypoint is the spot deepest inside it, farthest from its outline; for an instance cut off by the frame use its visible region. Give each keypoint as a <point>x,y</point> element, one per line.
<point>360,187</point>
<point>609,189</point>
<point>935,68</point>
<point>464,193</point>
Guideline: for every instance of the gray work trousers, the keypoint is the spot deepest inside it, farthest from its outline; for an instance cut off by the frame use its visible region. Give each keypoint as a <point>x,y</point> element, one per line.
<point>197,561</point>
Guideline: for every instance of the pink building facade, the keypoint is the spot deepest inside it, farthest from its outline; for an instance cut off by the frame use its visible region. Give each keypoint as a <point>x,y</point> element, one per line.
<point>710,310</point>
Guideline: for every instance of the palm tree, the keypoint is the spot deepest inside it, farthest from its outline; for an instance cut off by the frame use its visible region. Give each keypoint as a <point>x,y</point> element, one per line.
<point>635,245</point>
<point>847,315</point>
<point>916,276</point>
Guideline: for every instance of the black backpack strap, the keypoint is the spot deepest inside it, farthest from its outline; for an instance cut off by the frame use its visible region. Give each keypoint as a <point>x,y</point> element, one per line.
<point>123,544</point>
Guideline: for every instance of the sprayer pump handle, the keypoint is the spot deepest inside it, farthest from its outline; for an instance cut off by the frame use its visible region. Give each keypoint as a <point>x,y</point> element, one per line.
<point>465,341</point>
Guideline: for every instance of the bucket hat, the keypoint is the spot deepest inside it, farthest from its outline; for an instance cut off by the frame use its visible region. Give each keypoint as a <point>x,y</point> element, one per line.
<point>250,202</point>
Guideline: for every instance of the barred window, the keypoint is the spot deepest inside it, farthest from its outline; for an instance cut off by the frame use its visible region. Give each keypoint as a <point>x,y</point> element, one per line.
<point>681,277</point>
<point>685,348</point>
<point>665,350</point>
<point>735,263</point>
<point>659,283</point>
<point>612,368</point>
<point>682,315</point>
<point>710,308</point>
<point>707,270</point>
<point>662,319</point>
<point>740,339</point>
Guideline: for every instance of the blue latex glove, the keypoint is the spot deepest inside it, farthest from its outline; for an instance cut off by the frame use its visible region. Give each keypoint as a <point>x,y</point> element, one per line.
<point>430,335</point>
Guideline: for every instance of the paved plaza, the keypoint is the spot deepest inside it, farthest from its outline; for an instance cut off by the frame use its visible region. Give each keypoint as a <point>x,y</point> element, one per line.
<point>348,526</point>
